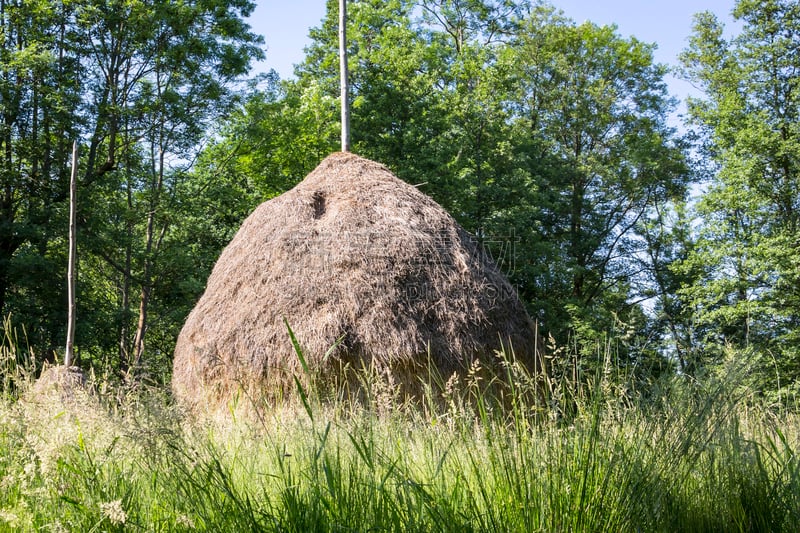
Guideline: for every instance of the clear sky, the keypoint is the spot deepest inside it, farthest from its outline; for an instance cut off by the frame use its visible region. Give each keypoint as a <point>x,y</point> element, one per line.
<point>285,24</point>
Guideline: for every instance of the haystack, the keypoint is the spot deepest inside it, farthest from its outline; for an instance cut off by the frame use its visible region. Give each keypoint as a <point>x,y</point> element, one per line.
<point>61,389</point>
<point>61,381</point>
<point>355,258</point>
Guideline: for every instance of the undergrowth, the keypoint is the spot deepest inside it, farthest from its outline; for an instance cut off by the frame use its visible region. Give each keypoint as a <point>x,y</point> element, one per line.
<point>696,456</point>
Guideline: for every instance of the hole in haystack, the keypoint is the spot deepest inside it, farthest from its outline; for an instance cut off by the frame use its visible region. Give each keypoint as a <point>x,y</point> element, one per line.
<point>319,204</point>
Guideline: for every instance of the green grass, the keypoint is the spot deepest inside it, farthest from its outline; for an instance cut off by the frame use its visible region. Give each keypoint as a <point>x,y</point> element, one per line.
<point>695,457</point>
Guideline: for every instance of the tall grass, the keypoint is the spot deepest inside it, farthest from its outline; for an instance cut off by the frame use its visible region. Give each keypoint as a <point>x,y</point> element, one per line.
<point>697,457</point>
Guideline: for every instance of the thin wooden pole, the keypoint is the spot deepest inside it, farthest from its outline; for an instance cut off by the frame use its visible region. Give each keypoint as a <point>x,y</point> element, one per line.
<point>344,84</point>
<point>73,196</point>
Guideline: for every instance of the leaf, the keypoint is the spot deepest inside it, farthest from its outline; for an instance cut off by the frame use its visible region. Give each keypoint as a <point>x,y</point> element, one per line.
<point>297,349</point>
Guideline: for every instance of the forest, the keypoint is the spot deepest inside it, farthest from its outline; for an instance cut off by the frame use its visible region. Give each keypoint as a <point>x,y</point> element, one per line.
<point>673,247</point>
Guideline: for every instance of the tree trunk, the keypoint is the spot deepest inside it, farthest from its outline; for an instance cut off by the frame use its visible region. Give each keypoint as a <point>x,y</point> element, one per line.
<point>576,238</point>
<point>144,295</point>
<point>141,326</point>
<point>151,245</point>
<point>9,242</point>
<point>125,305</point>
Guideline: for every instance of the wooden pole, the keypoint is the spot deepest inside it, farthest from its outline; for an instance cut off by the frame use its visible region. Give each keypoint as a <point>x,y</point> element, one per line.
<point>73,194</point>
<point>343,82</point>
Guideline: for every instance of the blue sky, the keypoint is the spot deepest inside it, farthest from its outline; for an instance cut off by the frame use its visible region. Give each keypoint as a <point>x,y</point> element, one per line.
<point>285,24</point>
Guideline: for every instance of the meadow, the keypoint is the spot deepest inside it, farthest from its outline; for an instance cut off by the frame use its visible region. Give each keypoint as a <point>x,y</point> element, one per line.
<point>690,455</point>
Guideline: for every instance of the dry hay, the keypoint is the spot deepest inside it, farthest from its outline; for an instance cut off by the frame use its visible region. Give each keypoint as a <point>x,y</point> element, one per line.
<point>352,255</point>
<point>60,389</point>
<point>59,381</point>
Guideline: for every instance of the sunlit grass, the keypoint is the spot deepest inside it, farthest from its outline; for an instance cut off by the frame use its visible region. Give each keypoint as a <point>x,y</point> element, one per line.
<point>698,457</point>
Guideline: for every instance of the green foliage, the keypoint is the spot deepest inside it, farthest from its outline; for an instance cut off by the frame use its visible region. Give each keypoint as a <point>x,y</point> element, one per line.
<point>140,96</point>
<point>596,105</point>
<point>747,248</point>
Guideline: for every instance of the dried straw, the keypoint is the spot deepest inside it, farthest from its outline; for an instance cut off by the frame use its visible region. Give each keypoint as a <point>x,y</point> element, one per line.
<point>352,255</point>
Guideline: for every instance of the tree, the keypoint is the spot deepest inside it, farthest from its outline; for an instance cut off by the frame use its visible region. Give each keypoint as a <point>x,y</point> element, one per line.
<point>163,81</point>
<point>668,240</point>
<point>594,108</point>
<point>748,238</point>
<point>40,87</point>
<point>141,97</point>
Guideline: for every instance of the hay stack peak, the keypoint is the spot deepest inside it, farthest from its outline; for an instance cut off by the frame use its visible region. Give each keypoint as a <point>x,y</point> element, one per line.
<point>352,255</point>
